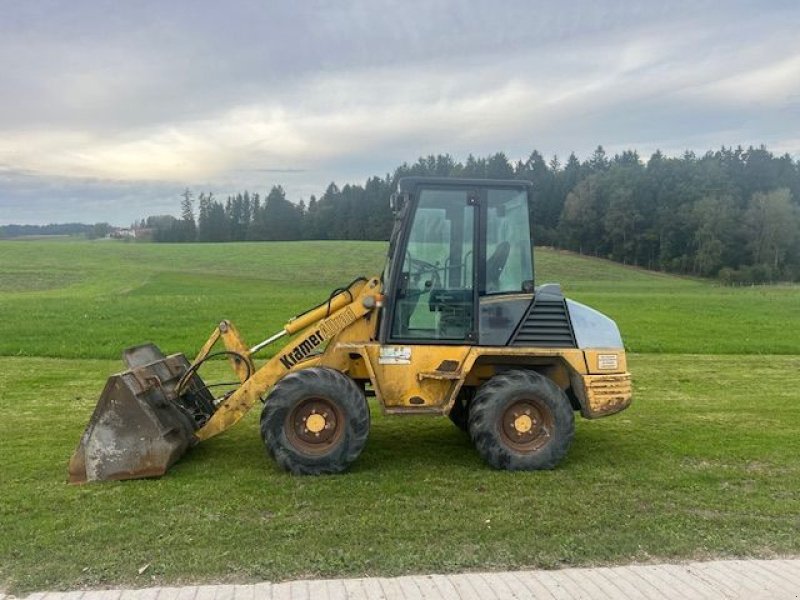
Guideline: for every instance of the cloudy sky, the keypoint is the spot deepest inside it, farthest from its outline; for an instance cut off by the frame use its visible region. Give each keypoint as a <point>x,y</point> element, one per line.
<point>109,109</point>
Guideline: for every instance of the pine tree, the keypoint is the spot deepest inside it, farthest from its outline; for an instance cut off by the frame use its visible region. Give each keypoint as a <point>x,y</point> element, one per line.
<point>188,226</point>
<point>282,219</point>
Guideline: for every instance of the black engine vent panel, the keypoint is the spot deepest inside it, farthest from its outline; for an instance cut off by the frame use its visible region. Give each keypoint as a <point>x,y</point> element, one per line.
<point>546,324</point>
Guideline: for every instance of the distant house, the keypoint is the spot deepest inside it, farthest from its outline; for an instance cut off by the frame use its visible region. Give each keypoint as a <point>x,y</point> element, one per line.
<point>122,233</point>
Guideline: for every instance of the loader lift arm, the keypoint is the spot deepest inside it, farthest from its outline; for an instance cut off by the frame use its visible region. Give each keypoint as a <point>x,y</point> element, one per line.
<point>151,414</point>
<point>315,327</point>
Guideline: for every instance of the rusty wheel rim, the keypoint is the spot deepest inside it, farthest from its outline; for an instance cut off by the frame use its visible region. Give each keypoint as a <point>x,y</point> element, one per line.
<point>315,425</point>
<point>527,425</point>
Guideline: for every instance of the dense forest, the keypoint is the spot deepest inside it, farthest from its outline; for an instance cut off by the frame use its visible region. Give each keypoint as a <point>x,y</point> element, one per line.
<point>731,213</point>
<point>89,231</point>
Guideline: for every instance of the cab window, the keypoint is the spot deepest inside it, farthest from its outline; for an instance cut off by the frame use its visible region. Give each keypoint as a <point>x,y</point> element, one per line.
<point>434,295</point>
<point>509,256</point>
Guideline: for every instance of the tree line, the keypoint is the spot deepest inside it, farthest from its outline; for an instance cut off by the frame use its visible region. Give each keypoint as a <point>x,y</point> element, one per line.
<point>732,213</point>
<point>353,212</point>
<point>67,229</point>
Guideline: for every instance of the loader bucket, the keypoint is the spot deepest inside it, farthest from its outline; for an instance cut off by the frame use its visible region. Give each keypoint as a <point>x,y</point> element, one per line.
<point>140,425</point>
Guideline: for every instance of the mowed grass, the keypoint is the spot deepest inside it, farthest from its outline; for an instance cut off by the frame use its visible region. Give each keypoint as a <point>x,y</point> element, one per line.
<point>704,463</point>
<point>89,300</point>
<point>121,294</point>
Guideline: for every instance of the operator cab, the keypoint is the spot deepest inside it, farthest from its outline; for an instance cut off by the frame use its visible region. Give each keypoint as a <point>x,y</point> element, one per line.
<point>460,265</point>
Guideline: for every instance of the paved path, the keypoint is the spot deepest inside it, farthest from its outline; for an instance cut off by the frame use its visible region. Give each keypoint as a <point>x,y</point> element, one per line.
<point>750,579</point>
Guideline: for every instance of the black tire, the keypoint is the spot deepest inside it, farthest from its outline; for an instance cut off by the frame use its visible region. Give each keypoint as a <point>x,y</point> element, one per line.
<point>459,414</point>
<point>341,422</point>
<point>521,421</point>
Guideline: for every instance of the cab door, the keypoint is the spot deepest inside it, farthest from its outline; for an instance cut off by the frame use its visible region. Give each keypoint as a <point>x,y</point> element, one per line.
<point>432,317</point>
<point>434,288</point>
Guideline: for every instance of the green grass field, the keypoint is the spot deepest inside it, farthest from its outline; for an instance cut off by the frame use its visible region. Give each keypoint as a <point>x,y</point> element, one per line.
<point>704,463</point>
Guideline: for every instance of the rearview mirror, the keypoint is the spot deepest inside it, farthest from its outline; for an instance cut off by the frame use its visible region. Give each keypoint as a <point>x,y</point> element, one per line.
<point>398,200</point>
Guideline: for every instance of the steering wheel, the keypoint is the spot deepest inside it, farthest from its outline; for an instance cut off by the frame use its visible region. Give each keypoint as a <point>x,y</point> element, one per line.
<point>422,267</point>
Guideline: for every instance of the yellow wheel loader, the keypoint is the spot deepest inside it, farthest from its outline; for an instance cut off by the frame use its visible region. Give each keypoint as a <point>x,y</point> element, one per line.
<point>454,326</point>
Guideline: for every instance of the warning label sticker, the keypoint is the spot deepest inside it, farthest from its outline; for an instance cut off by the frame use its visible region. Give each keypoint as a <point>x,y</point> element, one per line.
<point>607,361</point>
<point>395,355</point>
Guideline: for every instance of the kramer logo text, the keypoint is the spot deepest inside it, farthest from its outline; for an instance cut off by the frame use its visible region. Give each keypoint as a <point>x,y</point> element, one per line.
<point>327,329</point>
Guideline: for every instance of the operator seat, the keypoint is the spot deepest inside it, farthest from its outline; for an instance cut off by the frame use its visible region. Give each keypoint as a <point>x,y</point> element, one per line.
<point>495,265</point>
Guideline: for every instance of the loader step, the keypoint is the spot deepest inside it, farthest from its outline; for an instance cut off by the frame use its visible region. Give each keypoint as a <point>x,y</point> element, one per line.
<point>440,375</point>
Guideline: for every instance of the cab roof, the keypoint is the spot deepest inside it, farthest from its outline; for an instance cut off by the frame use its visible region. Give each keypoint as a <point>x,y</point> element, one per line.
<point>406,184</point>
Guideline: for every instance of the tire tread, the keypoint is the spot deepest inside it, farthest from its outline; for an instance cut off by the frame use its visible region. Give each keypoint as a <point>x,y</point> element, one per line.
<point>487,408</point>
<point>292,389</point>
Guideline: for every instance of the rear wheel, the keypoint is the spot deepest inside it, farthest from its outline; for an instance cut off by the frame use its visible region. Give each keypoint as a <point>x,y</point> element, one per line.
<point>521,421</point>
<point>315,421</point>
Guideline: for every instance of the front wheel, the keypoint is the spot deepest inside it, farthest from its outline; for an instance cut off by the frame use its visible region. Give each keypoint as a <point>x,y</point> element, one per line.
<point>315,421</point>
<point>521,421</point>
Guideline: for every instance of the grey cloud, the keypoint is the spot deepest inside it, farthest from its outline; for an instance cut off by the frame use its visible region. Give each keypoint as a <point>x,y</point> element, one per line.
<point>150,96</point>
<point>273,170</point>
<point>111,65</point>
<point>34,198</point>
